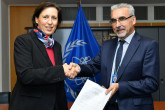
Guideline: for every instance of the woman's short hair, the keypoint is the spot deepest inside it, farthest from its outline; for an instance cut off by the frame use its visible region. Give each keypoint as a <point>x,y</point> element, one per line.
<point>41,7</point>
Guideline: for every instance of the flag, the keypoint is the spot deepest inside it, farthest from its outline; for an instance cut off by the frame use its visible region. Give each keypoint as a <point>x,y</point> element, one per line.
<point>80,48</point>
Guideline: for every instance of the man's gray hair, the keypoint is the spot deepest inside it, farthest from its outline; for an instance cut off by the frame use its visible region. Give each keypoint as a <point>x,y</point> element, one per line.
<point>122,5</point>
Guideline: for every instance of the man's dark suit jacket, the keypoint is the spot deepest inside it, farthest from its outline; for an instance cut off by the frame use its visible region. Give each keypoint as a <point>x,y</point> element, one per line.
<point>138,75</point>
<point>40,85</point>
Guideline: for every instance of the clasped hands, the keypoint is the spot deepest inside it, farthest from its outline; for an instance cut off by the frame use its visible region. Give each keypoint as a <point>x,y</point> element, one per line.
<point>71,70</point>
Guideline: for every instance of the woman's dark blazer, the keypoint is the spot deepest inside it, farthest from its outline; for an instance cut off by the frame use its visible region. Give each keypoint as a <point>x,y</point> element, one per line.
<point>40,85</point>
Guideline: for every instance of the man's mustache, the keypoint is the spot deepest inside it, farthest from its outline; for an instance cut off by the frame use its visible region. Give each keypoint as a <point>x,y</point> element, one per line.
<point>120,28</point>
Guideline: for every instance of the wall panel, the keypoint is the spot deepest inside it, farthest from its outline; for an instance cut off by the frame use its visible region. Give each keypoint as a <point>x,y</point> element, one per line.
<point>20,17</point>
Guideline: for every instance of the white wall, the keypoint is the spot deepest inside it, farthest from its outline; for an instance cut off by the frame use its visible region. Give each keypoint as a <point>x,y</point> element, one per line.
<point>0,48</point>
<point>62,36</point>
<point>4,48</point>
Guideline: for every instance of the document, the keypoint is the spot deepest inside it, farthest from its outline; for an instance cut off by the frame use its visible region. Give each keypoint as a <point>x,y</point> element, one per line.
<point>91,97</point>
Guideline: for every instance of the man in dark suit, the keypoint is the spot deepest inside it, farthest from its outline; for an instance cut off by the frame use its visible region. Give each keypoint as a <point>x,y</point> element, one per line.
<point>129,64</point>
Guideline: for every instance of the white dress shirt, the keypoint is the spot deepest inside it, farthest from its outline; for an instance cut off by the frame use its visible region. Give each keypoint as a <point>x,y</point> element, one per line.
<point>125,47</point>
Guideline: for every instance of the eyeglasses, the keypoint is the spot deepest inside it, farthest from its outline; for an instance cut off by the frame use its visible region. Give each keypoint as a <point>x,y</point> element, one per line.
<point>120,19</point>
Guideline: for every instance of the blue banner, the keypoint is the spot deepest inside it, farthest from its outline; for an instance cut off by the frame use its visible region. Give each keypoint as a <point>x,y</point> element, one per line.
<point>80,48</point>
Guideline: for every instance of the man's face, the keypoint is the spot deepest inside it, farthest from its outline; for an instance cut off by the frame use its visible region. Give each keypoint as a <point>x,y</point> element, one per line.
<point>123,27</point>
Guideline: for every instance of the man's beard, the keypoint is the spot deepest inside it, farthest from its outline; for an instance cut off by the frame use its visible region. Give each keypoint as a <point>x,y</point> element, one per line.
<point>122,34</point>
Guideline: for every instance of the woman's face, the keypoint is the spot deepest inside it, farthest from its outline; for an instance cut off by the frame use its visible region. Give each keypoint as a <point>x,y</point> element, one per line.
<point>48,20</point>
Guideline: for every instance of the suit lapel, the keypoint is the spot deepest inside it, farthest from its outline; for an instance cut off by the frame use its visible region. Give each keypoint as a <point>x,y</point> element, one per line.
<point>110,58</point>
<point>41,47</point>
<point>133,46</point>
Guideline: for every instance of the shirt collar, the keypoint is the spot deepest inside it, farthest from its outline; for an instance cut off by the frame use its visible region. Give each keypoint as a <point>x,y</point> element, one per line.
<point>129,38</point>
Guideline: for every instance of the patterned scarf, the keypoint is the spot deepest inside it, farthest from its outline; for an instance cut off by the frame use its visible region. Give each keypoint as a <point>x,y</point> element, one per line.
<point>47,41</point>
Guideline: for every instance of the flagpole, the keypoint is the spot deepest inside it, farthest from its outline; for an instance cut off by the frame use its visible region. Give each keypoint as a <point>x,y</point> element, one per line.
<point>78,3</point>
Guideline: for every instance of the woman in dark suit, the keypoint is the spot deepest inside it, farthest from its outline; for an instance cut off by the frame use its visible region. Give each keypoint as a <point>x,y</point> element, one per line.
<point>38,63</point>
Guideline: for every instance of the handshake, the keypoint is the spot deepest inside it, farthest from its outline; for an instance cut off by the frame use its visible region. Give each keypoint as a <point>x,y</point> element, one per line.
<point>71,70</point>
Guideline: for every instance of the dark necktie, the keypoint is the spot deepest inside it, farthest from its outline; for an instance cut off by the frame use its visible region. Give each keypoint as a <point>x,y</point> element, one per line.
<point>119,54</point>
